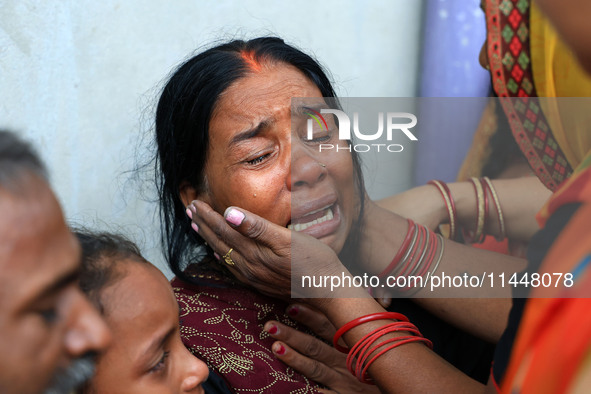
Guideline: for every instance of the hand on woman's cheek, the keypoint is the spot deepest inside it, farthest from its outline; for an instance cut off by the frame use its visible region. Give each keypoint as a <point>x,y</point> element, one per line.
<point>267,256</point>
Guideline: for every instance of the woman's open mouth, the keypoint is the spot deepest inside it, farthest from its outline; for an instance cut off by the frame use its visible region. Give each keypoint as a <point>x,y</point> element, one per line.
<point>316,217</point>
<point>318,223</point>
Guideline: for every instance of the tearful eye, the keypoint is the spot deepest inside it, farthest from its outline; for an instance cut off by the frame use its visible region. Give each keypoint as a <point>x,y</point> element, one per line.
<point>321,138</point>
<point>258,159</point>
<point>318,136</point>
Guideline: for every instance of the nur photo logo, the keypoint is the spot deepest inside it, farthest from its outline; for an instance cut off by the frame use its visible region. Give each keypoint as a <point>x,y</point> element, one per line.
<point>389,123</point>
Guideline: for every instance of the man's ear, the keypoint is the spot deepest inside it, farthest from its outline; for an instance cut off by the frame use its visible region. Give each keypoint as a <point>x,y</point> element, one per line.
<point>188,193</point>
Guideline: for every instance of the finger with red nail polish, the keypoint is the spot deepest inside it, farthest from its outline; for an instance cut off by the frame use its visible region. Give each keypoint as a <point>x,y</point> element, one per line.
<point>278,349</point>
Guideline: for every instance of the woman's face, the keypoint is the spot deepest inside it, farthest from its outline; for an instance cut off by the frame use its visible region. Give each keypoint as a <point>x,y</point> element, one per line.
<point>257,162</point>
<point>146,355</point>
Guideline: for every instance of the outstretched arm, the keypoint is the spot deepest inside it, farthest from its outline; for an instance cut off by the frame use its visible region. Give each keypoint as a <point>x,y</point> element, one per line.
<point>520,200</point>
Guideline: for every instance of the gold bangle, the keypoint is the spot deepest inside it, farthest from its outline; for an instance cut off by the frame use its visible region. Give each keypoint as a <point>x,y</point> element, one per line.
<point>495,197</point>
<point>479,235</point>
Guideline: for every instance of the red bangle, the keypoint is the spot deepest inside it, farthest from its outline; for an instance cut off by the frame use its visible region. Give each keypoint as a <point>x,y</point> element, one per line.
<point>453,229</point>
<point>366,351</point>
<point>364,319</point>
<point>364,343</point>
<point>449,204</point>
<point>401,250</point>
<point>364,348</point>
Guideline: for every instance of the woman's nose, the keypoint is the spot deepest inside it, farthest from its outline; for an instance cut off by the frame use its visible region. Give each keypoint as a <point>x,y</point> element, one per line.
<point>306,171</point>
<point>196,373</point>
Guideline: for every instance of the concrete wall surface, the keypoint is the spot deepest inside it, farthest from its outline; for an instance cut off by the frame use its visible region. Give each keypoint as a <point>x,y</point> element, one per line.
<point>79,78</point>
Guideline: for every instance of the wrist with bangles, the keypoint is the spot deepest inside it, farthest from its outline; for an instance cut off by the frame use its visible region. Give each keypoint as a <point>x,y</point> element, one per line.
<point>422,250</point>
<point>485,196</point>
<point>417,258</point>
<point>373,345</point>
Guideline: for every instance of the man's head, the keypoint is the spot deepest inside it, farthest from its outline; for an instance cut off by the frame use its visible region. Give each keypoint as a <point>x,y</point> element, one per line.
<point>48,330</point>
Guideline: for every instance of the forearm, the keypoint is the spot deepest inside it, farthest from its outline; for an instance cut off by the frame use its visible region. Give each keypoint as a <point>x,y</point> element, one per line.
<point>481,310</point>
<point>520,199</point>
<point>485,318</point>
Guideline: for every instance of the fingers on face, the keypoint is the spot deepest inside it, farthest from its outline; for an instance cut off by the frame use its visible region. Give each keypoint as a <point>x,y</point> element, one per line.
<point>215,231</point>
<point>242,231</point>
<point>221,230</point>
<point>204,221</point>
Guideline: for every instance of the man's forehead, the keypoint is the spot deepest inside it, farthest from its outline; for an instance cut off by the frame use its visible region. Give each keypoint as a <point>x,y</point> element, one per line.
<point>23,206</point>
<point>37,248</point>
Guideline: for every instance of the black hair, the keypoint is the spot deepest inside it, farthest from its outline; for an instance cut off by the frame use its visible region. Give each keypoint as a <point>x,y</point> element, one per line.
<point>182,121</point>
<point>17,158</point>
<point>102,255</point>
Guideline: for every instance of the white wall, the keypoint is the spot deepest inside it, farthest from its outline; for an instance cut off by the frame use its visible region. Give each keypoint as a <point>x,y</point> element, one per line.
<point>76,76</point>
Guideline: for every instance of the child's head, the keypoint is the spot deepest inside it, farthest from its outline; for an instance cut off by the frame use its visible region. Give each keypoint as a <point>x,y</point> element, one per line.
<point>137,302</point>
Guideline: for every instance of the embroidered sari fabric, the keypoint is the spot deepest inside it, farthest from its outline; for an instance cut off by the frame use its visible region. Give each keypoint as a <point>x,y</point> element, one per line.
<point>222,324</point>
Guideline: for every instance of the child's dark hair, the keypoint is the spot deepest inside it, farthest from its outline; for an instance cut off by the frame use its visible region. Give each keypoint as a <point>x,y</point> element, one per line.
<point>102,255</point>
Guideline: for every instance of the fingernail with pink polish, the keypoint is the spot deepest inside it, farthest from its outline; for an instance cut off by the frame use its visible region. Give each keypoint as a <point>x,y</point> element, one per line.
<point>195,227</point>
<point>272,330</point>
<point>217,256</point>
<point>189,213</point>
<point>234,216</point>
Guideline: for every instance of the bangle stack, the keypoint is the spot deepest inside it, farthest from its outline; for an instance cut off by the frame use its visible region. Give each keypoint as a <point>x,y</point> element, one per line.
<point>366,351</point>
<point>483,187</point>
<point>418,256</point>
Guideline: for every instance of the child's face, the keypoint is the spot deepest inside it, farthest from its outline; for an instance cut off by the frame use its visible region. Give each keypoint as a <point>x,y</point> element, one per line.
<point>146,355</point>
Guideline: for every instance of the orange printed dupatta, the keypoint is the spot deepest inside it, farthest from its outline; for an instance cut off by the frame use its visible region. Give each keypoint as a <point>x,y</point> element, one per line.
<point>527,58</point>
<point>553,344</point>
